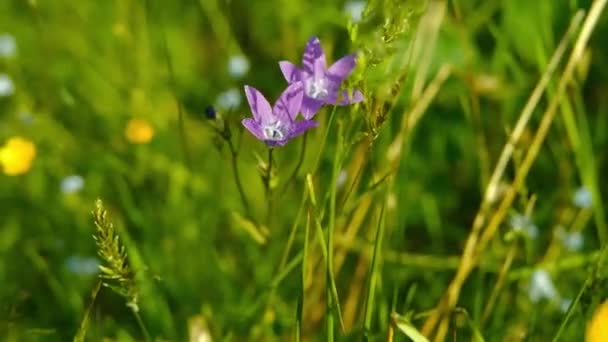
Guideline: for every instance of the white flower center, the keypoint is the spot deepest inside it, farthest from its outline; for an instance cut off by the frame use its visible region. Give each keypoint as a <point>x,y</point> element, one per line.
<point>317,89</point>
<point>274,131</point>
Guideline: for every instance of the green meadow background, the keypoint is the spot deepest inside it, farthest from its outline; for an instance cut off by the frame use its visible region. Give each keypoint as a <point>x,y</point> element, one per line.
<point>394,184</point>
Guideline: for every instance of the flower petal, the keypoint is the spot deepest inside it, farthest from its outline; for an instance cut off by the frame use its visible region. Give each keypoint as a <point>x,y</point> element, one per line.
<point>302,126</point>
<point>289,103</point>
<point>313,52</point>
<point>290,71</point>
<point>253,127</point>
<point>310,107</point>
<point>319,69</point>
<point>343,67</point>
<point>262,113</point>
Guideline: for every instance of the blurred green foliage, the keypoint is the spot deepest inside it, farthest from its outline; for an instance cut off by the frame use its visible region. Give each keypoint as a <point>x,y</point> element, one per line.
<point>82,69</point>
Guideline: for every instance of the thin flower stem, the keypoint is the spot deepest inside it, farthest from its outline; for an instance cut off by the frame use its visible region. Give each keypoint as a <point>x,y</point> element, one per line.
<point>300,308</point>
<point>269,172</point>
<point>374,273</point>
<point>292,233</point>
<point>298,164</point>
<point>586,285</point>
<point>290,241</point>
<point>237,178</point>
<point>322,147</point>
<point>141,324</point>
<point>500,282</point>
<point>268,186</point>
<point>330,237</point>
<point>570,311</point>
<point>84,324</point>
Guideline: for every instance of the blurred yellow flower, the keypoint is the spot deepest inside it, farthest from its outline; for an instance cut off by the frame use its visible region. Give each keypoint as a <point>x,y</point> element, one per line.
<point>16,156</point>
<point>597,328</point>
<point>139,131</point>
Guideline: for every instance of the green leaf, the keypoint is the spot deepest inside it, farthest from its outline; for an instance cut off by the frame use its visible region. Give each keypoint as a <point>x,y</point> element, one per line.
<point>249,227</point>
<point>406,327</point>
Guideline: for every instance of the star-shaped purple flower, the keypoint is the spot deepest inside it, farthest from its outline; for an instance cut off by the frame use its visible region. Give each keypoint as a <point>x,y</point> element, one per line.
<point>321,84</point>
<point>277,125</point>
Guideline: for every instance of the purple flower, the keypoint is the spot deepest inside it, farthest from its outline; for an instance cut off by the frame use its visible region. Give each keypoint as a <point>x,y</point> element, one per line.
<point>277,125</point>
<point>321,84</point>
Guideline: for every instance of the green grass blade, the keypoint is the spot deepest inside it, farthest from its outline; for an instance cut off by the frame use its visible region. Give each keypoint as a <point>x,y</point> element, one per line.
<point>374,273</point>
<point>84,324</point>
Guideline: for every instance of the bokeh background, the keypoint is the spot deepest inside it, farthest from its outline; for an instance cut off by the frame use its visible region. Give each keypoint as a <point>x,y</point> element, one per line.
<point>109,99</point>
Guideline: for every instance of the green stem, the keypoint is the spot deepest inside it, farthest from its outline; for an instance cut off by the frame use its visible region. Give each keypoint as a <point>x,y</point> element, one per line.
<point>330,238</point>
<point>268,186</point>
<point>237,178</point>
<point>303,276</point>
<point>560,330</point>
<point>141,324</point>
<point>298,164</point>
<point>322,147</point>
<point>590,279</point>
<point>268,175</point>
<point>292,234</point>
<point>374,274</point>
<point>84,324</point>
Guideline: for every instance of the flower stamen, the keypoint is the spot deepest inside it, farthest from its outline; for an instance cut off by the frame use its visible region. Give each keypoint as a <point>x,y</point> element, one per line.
<point>317,89</point>
<point>274,131</point>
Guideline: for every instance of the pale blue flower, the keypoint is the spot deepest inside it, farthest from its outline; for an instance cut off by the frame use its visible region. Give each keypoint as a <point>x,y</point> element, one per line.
<point>572,241</point>
<point>582,198</point>
<point>8,46</point>
<point>522,223</point>
<point>229,99</point>
<point>72,184</point>
<point>238,66</point>
<point>542,287</point>
<point>82,265</point>
<point>354,9</point>
<point>6,85</point>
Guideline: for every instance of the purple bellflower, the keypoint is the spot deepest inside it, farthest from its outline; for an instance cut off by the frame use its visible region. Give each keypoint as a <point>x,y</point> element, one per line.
<point>277,125</point>
<point>321,84</point>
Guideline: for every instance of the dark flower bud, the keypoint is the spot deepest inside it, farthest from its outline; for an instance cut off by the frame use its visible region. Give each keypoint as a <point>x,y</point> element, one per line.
<point>210,112</point>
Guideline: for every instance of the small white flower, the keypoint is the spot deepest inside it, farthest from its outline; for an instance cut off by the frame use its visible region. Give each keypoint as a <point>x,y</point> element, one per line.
<point>6,85</point>
<point>231,98</point>
<point>572,241</point>
<point>72,184</point>
<point>522,223</point>
<point>354,9</point>
<point>542,287</point>
<point>82,265</point>
<point>582,198</point>
<point>238,66</point>
<point>8,47</point>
